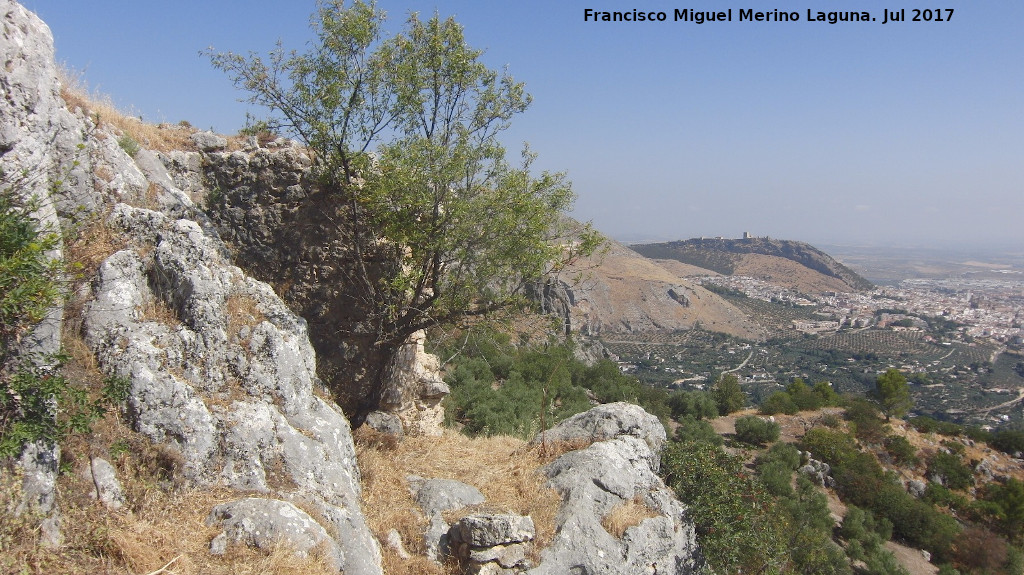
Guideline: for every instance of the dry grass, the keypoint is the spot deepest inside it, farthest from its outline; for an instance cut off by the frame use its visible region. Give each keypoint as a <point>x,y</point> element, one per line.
<point>160,526</point>
<point>157,310</point>
<point>504,469</point>
<point>625,515</point>
<point>160,137</point>
<point>242,311</point>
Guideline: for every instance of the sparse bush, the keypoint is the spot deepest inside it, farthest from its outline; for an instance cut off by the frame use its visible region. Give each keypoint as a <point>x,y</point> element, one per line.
<point>901,451</point>
<point>129,145</point>
<point>29,278</point>
<point>867,424</point>
<point>754,430</point>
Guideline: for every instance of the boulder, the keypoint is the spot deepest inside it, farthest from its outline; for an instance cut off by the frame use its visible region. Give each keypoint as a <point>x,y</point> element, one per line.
<point>619,467</point>
<point>608,421</point>
<point>492,543</point>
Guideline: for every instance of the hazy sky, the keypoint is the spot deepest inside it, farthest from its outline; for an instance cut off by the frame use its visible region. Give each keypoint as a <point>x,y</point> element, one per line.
<point>904,133</point>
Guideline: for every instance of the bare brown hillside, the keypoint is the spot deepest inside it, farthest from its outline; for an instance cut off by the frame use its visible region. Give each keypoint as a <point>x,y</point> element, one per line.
<point>624,292</point>
<point>787,273</point>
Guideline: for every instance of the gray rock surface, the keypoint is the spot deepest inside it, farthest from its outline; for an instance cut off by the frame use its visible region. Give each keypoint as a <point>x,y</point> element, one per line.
<point>492,542</point>
<point>223,371</point>
<point>38,138</point>
<point>595,480</point>
<point>916,487</point>
<point>435,496</point>
<point>103,476</point>
<point>265,523</point>
<point>208,141</point>
<point>606,422</point>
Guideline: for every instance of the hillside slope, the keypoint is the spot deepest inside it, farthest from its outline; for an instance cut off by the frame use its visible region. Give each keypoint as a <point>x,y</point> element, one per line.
<point>792,264</point>
<point>623,292</point>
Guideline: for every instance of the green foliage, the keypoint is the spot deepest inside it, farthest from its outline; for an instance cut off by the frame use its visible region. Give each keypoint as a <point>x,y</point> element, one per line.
<point>805,398</point>
<point>901,451</point>
<point>696,430</point>
<point>800,397</point>
<point>728,394</point>
<point>40,404</point>
<point>696,404</point>
<point>894,393</point>
<point>867,425</point>
<point>948,466</point>
<point>778,402</point>
<point>925,424</point>
<point>1007,506</point>
<point>129,145</point>
<point>1008,441</point>
<point>29,277</point>
<point>501,389</point>
<point>738,525</point>
<point>941,496</point>
<point>405,132</point>
<point>810,532</point>
<point>755,430</point>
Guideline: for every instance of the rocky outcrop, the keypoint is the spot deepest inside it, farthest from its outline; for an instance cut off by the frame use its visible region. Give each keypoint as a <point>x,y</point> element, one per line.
<point>621,467</point>
<point>220,369</point>
<point>223,371</point>
<point>38,138</point>
<point>609,421</point>
<point>415,389</point>
<point>266,523</point>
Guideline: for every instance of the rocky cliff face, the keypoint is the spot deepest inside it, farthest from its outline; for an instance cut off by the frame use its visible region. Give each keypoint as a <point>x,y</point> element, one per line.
<point>220,369</point>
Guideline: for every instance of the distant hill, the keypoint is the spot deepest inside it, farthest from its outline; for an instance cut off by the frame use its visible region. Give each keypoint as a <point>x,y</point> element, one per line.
<point>623,292</point>
<point>787,263</point>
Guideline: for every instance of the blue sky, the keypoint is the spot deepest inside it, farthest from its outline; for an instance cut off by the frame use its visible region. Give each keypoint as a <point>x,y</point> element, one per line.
<point>855,133</point>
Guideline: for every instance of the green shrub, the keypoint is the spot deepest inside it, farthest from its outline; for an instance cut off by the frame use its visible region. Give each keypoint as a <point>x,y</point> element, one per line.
<point>696,430</point>
<point>925,424</point>
<point>941,496</point>
<point>738,526</point>
<point>901,451</point>
<point>728,394</point>
<point>778,402</point>
<point>867,423</point>
<point>29,278</point>
<point>803,396</point>
<point>951,469</point>
<point>40,404</point>
<point>754,430</point>
<point>1008,441</point>
<point>696,404</point>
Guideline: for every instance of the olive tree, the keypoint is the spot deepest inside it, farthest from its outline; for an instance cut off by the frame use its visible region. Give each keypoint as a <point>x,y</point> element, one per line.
<point>404,131</point>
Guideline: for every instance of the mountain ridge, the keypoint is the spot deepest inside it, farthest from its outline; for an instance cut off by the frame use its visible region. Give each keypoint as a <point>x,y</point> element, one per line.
<point>733,257</point>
